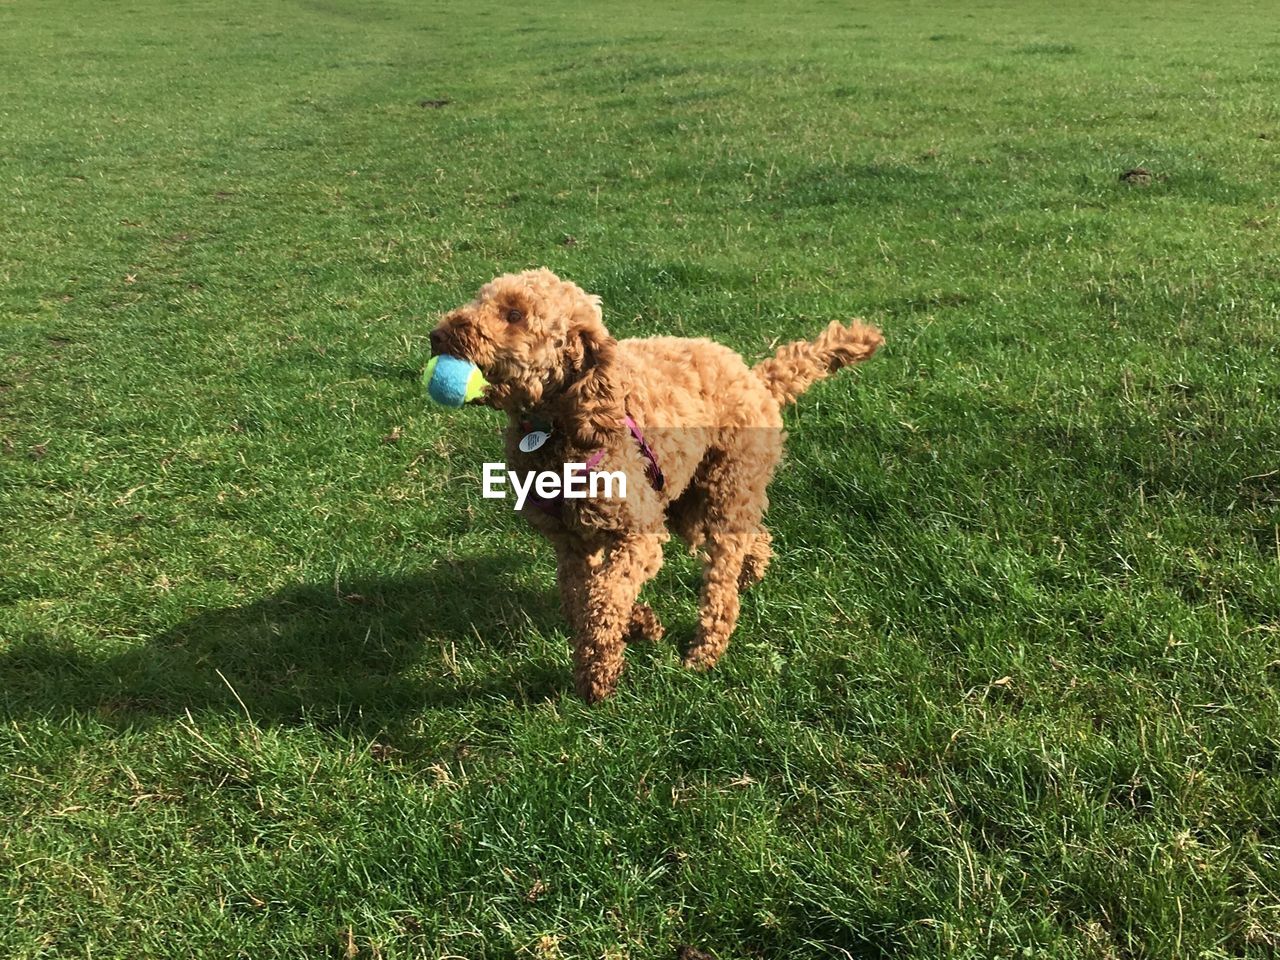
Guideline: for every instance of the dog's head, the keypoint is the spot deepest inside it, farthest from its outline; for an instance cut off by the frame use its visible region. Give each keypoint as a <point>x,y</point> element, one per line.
<point>538,340</point>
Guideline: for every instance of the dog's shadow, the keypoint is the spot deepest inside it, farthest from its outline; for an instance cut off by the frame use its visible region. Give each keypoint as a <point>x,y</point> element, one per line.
<point>361,654</point>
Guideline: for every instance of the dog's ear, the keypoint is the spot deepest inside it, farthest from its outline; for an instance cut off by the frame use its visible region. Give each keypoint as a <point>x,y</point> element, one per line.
<point>593,400</point>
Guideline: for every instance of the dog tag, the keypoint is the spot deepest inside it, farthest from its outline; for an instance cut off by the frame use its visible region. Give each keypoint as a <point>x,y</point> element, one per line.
<point>533,440</point>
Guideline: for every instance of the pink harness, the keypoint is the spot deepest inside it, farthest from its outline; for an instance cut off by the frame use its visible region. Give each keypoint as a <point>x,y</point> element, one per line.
<point>555,505</point>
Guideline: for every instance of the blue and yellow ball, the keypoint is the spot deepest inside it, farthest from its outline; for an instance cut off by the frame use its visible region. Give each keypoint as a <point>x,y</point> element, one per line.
<point>452,381</point>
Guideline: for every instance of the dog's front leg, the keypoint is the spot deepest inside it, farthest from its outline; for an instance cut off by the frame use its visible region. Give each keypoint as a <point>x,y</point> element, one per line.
<point>610,593</point>
<point>574,564</point>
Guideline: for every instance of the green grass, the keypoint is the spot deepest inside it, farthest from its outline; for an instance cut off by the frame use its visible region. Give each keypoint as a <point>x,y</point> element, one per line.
<point>271,686</point>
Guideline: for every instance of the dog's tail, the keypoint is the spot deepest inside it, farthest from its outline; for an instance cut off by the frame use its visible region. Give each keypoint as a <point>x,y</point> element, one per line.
<point>797,366</point>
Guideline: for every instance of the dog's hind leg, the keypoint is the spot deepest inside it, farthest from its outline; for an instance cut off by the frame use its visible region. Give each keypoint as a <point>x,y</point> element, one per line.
<point>736,543</point>
<point>718,606</point>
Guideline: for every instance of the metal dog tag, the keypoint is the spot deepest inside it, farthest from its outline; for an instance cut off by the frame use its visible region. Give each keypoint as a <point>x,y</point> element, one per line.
<point>533,440</point>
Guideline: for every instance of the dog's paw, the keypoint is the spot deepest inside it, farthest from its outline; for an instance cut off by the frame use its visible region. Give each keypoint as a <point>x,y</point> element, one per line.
<point>700,659</point>
<point>644,627</point>
<point>756,562</point>
<point>752,573</point>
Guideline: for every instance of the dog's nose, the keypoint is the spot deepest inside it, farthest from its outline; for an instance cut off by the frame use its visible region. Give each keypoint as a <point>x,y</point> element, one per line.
<point>437,342</point>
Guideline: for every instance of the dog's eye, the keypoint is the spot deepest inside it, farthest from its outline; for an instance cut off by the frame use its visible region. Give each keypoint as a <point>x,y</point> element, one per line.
<point>514,315</point>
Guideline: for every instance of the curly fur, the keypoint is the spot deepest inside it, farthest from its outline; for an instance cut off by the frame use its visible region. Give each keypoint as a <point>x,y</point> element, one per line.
<point>715,427</point>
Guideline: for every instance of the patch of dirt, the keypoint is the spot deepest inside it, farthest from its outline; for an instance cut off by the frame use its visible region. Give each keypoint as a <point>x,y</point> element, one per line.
<point>569,240</point>
<point>1139,176</point>
<point>686,952</point>
<point>434,104</point>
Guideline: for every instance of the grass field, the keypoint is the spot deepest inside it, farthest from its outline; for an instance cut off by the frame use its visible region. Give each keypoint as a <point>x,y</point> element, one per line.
<point>275,681</point>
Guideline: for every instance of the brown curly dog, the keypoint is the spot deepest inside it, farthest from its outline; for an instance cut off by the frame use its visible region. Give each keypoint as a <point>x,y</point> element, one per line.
<point>697,433</point>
